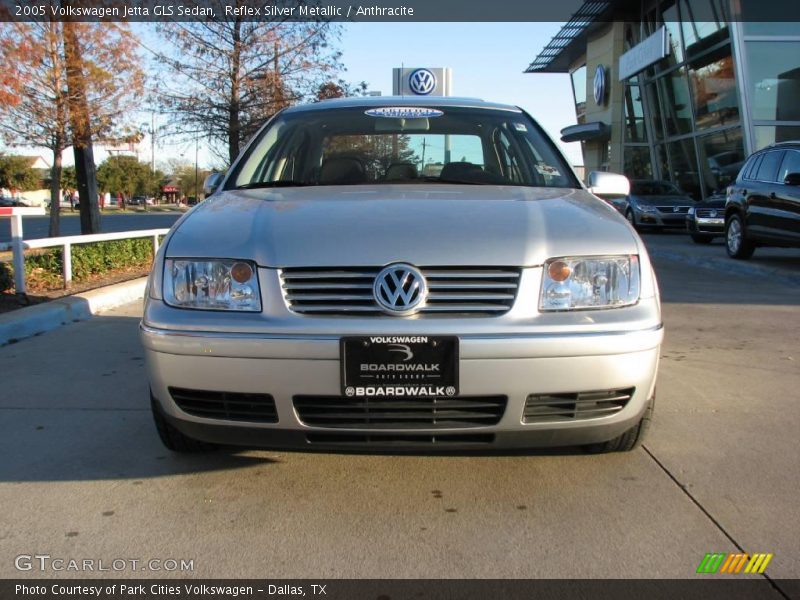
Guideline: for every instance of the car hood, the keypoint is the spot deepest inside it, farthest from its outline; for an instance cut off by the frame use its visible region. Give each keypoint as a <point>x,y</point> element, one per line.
<point>425,225</point>
<point>664,200</point>
<point>718,202</point>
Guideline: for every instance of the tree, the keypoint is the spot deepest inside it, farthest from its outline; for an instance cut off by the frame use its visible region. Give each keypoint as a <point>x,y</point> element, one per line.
<point>16,173</point>
<point>35,84</point>
<point>224,79</point>
<point>126,175</point>
<point>340,89</point>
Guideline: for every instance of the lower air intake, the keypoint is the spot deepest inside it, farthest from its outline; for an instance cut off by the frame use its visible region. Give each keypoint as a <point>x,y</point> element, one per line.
<point>228,406</point>
<point>552,408</point>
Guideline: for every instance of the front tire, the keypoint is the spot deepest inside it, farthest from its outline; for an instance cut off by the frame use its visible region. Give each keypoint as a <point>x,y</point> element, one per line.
<point>172,438</point>
<point>629,214</point>
<point>699,238</point>
<point>736,242</point>
<point>630,440</point>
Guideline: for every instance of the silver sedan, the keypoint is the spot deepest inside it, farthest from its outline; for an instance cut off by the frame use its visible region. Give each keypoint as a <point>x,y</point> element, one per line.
<point>405,274</point>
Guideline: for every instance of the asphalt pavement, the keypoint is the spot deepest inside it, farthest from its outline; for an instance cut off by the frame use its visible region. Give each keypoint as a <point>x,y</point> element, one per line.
<point>83,474</point>
<point>38,227</point>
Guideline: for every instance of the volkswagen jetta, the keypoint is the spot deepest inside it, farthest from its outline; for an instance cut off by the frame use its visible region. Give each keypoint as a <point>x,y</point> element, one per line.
<point>402,274</point>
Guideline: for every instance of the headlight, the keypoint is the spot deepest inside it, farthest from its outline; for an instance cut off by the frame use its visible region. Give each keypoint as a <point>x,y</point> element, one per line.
<point>211,284</point>
<point>648,208</point>
<point>582,282</point>
<point>690,211</point>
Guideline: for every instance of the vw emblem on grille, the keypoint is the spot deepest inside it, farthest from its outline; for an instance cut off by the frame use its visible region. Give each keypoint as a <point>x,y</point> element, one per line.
<point>712,214</point>
<point>422,82</point>
<point>676,209</point>
<point>400,289</point>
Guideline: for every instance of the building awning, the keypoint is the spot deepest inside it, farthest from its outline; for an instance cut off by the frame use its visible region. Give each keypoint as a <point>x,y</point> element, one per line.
<point>570,43</point>
<point>595,130</point>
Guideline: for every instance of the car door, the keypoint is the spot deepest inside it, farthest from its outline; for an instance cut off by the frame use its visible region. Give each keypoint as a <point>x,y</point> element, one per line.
<point>762,217</point>
<point>788,199</point>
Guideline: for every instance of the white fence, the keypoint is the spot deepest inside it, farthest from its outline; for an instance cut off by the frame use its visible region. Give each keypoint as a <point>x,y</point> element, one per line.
<point>66,243</point>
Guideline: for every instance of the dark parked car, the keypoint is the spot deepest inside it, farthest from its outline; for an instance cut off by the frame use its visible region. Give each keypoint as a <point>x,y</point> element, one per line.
<point>706,220</point>
<point>763,206</point>
<point>656,204</point>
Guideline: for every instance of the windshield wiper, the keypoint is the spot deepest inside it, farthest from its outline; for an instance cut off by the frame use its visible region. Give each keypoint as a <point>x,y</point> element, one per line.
<point>253,185</point>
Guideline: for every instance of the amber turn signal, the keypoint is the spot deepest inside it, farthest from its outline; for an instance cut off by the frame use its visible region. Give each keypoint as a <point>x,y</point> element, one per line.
<point>241,272</point>
<point>559,270</point>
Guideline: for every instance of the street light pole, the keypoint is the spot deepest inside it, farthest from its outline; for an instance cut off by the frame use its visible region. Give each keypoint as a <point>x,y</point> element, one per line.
<point>196,149</point>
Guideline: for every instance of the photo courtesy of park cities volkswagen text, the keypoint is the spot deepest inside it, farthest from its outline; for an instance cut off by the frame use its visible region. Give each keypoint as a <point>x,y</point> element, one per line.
<point>399,299</point>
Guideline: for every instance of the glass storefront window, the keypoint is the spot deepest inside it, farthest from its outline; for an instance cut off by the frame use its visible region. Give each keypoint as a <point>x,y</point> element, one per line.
<point>684,167</point>
<point>754,27</point>
<point>634,115</point>
<point>655,110</point>
<point>774,80</point>
<point>579,91</point>
<point>769,134</point>
<point>703,24</point>
<point>721,159</point>
<point>716,101</point>
<point>671,22</point>
<point>674,94</point>
<point>637,162</point>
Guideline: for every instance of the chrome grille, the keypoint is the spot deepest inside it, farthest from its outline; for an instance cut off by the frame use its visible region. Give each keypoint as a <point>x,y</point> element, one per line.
<point>670,210</point>
<point>549,408</point>
<point>400,413</point>
<point>464,290</point>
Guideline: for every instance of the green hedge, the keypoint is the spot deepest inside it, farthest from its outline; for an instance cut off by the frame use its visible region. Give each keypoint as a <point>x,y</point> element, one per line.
<point>45,269</point>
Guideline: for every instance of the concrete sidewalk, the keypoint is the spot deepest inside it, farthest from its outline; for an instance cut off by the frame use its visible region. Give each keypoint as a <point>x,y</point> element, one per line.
<point>33,320</point>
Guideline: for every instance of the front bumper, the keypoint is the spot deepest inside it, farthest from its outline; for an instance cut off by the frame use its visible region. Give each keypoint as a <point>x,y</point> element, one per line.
<point>514,366</point>
<point>660,219</point>
<point>710,226</point>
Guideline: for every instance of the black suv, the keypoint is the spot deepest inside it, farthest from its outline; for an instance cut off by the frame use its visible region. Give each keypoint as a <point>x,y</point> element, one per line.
<point>763,204</point>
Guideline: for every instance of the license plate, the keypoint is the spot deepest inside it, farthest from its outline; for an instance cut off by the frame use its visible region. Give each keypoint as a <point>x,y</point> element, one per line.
<point>410,366</point>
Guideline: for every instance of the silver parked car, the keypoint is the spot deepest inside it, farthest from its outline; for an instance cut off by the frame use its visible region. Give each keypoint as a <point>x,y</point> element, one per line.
<point>656,204</point>
<point>420,274</point>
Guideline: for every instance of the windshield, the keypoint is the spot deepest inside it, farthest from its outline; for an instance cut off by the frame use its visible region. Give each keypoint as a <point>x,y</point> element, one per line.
<point>402,145</point>
<point>655,188</point>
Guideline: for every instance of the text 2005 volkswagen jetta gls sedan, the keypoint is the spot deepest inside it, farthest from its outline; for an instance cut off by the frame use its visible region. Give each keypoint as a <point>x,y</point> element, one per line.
<point>395,273</point>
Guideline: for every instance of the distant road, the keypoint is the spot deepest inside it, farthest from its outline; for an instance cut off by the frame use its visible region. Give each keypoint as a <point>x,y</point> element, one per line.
<point>37,227</point>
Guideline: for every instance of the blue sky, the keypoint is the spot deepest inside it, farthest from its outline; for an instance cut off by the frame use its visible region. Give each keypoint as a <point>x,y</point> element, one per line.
<point>487,61</point>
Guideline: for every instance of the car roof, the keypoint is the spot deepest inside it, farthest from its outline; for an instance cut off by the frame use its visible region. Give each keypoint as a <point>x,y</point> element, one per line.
<point>782,144</point>
<point>376,101</point>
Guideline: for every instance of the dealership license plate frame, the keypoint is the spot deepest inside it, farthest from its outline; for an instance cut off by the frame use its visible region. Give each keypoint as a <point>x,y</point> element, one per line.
<point>438,349</point>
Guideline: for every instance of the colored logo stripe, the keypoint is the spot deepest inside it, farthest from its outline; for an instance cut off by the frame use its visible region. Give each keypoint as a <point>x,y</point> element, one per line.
<point>733,563</point>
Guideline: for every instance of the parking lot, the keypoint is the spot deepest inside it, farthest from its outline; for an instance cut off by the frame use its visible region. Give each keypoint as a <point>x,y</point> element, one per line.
<point>83,474</point>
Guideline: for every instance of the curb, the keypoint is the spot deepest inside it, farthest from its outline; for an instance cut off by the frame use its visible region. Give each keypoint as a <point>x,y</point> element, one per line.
<point>33,320</point>
<point>728,265</point>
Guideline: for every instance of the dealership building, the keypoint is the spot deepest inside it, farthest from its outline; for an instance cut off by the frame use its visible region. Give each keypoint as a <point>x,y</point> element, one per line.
<point>681,90</point>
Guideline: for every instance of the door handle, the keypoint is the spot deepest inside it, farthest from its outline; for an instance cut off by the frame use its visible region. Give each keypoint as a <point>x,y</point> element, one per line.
<point>772,195</point>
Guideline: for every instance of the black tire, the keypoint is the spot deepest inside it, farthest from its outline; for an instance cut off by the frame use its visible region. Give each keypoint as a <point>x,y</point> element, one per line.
<point>172,438</point>
<point>630,440</point>
<point>736,242</point>
<point>631,216</point>
<point>699,238</point>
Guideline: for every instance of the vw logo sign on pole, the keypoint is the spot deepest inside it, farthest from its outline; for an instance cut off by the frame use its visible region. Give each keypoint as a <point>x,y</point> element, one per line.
<point>422,82</point>
<point>400,289</point>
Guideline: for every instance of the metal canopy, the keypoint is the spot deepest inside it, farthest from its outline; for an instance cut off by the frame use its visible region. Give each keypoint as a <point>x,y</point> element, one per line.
<point>562,50</point>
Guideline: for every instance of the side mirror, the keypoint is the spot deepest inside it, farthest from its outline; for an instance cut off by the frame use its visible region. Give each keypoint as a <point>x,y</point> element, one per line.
<point>608,184</point>
<point>792,179</point>
<point>211,183</point>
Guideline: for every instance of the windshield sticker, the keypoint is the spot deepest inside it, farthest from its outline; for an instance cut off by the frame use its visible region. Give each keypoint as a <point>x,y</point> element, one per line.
<point>520,127</point>
<point>403,112</point>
